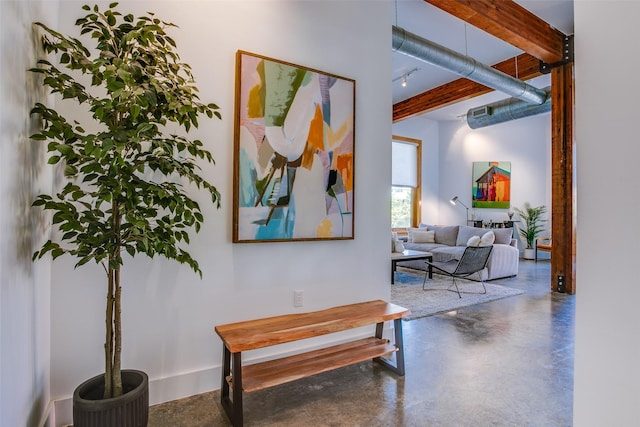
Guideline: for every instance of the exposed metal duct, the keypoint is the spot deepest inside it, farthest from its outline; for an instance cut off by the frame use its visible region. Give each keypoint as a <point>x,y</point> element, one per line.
<point>505,110</point>
<point>417,47</point>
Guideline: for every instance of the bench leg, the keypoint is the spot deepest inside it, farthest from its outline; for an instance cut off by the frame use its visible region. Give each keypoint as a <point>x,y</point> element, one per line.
<point>393,271</point>
<point>398,368</point>
<point>233,407</point>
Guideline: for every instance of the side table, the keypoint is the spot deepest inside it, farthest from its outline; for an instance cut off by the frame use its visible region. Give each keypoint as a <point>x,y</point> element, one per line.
<point>407,255</point>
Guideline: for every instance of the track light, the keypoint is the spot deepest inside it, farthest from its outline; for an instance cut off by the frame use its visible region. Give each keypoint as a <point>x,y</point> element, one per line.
<point>405,77</point>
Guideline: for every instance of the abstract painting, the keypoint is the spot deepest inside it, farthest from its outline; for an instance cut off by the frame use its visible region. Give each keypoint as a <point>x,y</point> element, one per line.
<point>294,152</point>
<point>491,186</point>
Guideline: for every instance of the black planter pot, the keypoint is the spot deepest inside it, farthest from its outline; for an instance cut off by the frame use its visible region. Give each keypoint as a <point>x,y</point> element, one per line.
<point>129,410</point>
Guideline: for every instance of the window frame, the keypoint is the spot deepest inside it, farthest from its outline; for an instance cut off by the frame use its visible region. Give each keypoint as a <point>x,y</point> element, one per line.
<point>416,199</point>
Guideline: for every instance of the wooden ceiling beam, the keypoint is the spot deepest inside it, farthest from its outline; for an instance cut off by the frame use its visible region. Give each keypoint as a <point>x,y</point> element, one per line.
<point>510,22</point>
<point>462,89</point>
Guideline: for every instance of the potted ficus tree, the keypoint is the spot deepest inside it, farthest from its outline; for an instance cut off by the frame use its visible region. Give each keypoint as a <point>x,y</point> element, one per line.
<point>533,220</point>
<point>125,172</point>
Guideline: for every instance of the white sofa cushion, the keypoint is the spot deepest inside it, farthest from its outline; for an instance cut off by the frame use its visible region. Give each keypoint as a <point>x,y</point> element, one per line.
<point>473,241</point>
<point>396,244</point>
<point>422,236</point>
<point>503,235</point>
<point>487,239</point>
<point>445,234</point>
<point>465,233</point>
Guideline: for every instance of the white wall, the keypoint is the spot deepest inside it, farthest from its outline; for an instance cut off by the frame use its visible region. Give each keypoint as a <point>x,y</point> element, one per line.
<point>181,310</point>
<point>526,143</point>
<point>450,148</point>
<point>169,313</point>
<point>607,376</point>
<point>24,290</point>
<point>426,131</point>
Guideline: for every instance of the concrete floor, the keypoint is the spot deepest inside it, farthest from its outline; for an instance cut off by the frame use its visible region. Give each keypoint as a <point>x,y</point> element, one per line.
<point>503,363</point>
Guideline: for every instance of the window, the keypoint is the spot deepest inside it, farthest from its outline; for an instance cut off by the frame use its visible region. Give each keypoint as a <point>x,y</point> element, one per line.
<point>406,168</point>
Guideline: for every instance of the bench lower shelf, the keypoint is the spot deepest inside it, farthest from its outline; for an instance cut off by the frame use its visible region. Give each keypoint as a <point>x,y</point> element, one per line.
<point>259,333</point>
<point>275,372</point>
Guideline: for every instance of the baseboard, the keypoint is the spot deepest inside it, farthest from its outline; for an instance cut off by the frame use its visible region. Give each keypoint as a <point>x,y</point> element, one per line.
<point>160,390</point>
<point>184,385</point>
<point>196,382</point>
<point>48,417</point>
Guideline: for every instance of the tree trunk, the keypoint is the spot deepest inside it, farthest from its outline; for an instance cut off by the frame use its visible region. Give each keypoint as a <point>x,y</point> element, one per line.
<point>113,343</point>
<point>108,347</point>
<point>117,342</point>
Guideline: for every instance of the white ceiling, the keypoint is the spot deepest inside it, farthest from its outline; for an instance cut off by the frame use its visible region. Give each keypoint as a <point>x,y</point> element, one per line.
<point>427,21</point>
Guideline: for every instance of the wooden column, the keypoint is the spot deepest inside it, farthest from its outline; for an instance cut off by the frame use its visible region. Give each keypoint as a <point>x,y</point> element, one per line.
<point>562,178</point>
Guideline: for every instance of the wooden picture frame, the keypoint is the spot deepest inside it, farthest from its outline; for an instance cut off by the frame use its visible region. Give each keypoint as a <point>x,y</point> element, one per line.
<point>294,152</point>
<point>491,186</point>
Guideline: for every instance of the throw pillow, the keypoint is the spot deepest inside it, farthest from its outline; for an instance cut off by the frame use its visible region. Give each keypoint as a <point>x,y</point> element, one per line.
<point>503,235</point>
<point>473,241</point>
<point>465,233</point>
<point>399,247</point>
<point>424,236</point>
<point>445,234</point>
<point>411,230</point>
<point>487,239</point>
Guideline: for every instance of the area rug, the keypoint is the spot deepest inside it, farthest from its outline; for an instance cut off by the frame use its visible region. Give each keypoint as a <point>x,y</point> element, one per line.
<point>407,292</point>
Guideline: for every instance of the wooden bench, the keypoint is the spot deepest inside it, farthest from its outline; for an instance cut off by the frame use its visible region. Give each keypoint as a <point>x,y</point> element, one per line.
<point>259,333</point>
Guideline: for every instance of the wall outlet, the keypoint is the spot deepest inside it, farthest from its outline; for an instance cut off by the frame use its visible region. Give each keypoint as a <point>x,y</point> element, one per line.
<point>298,298</point>
<point>562,288</point>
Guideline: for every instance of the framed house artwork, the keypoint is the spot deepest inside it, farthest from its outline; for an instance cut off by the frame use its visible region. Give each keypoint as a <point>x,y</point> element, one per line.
<point>491,186</point>
<point>294,152</point>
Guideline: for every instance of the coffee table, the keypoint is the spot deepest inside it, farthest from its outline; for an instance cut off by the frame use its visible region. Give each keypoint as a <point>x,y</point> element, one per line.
<point>407,255</point>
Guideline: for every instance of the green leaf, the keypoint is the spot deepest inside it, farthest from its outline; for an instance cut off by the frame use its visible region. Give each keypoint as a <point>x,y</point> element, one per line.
<point>55,253</point>
<point>144,90</point>
<point>70,235</point>
<point>70,170</point>
<point>64,149</point>
<point>135,111</point>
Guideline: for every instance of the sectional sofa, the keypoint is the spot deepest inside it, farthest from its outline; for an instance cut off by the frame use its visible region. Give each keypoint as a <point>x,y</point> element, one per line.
<point>449,242</point>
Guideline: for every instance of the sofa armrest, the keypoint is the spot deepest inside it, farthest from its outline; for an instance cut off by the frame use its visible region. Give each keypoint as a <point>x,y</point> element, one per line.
<point>503,261</point>
<point>514,243</point>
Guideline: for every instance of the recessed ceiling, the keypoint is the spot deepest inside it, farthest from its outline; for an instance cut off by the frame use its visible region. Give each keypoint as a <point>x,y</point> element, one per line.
<point>428,21</point>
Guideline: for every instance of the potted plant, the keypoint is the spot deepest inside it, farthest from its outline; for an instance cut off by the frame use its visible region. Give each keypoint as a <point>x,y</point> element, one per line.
<point>533,221</point>
<point>124,171</point>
